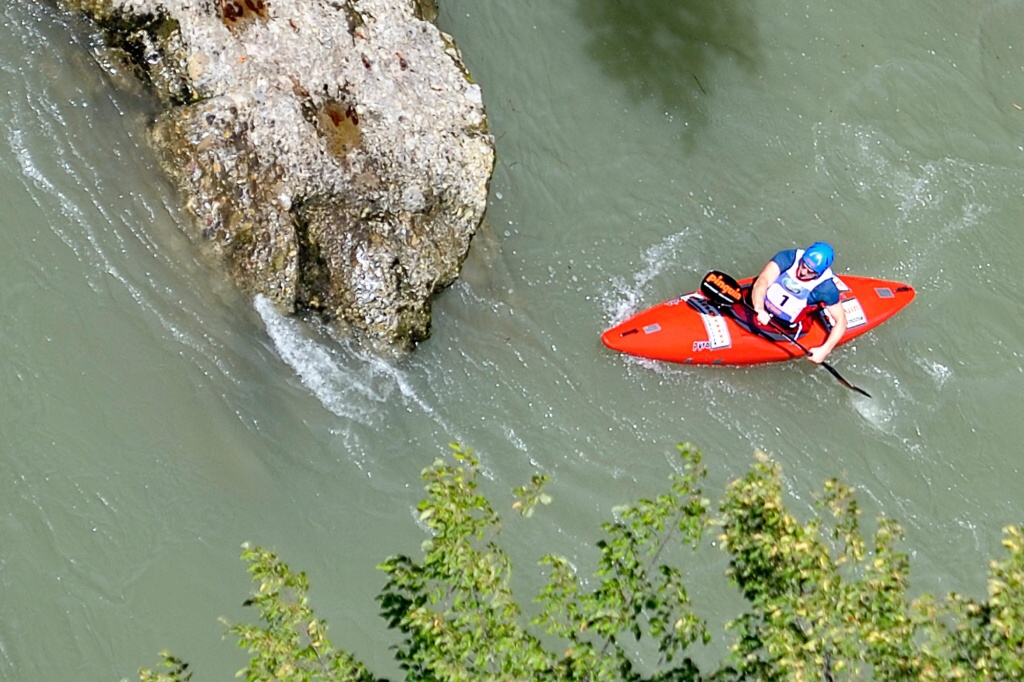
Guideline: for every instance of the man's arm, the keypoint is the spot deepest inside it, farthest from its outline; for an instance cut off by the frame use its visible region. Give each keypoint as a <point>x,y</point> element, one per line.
<point>838,313</point>
<point>769,273</point>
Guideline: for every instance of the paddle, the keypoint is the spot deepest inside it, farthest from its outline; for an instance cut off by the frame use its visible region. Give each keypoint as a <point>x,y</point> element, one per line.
<point>722,290</point>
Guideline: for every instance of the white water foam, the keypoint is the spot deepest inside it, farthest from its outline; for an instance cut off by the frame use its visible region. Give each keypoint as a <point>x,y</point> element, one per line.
<point>347,382</point>
<point>886,412</point>
<point>625,297</point>
<point>939,373</point>
<point>347,391</point>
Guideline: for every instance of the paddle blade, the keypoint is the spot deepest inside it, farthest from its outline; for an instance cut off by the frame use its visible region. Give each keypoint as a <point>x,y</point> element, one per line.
<point>844,382</point>
<point>720,288</point>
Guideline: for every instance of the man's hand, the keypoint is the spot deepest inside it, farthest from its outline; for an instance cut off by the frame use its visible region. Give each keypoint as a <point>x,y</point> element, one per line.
<point>817,355</point>
<point>763,318</point>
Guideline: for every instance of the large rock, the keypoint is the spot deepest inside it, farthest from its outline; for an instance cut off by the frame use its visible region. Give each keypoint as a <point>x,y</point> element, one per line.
<point>334,152</point>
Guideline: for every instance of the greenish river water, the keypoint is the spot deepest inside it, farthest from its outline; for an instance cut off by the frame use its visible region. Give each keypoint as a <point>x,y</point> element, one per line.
<point>153,419</point>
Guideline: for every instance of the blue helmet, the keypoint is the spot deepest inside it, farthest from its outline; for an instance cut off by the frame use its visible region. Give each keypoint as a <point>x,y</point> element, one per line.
<point>819,257</point>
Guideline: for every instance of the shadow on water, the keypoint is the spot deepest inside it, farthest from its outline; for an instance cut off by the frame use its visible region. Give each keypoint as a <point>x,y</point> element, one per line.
<point>665,49</point>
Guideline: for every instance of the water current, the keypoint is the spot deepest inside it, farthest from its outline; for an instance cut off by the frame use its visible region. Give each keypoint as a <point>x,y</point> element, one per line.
<point>153,419</point>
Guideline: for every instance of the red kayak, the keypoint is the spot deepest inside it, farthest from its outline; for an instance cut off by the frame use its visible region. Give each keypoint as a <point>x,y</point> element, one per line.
<point>692,330</point>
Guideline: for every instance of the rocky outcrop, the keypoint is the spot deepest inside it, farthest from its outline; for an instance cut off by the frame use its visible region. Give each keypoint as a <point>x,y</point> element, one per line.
<point>334,153</point>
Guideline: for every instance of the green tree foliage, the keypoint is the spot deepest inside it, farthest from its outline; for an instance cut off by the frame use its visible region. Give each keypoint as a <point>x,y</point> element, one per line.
<point>824,603</point>
<point>821,604</point>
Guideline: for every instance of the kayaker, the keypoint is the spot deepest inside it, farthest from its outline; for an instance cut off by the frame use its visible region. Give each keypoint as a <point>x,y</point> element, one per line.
<point>792,284</point>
